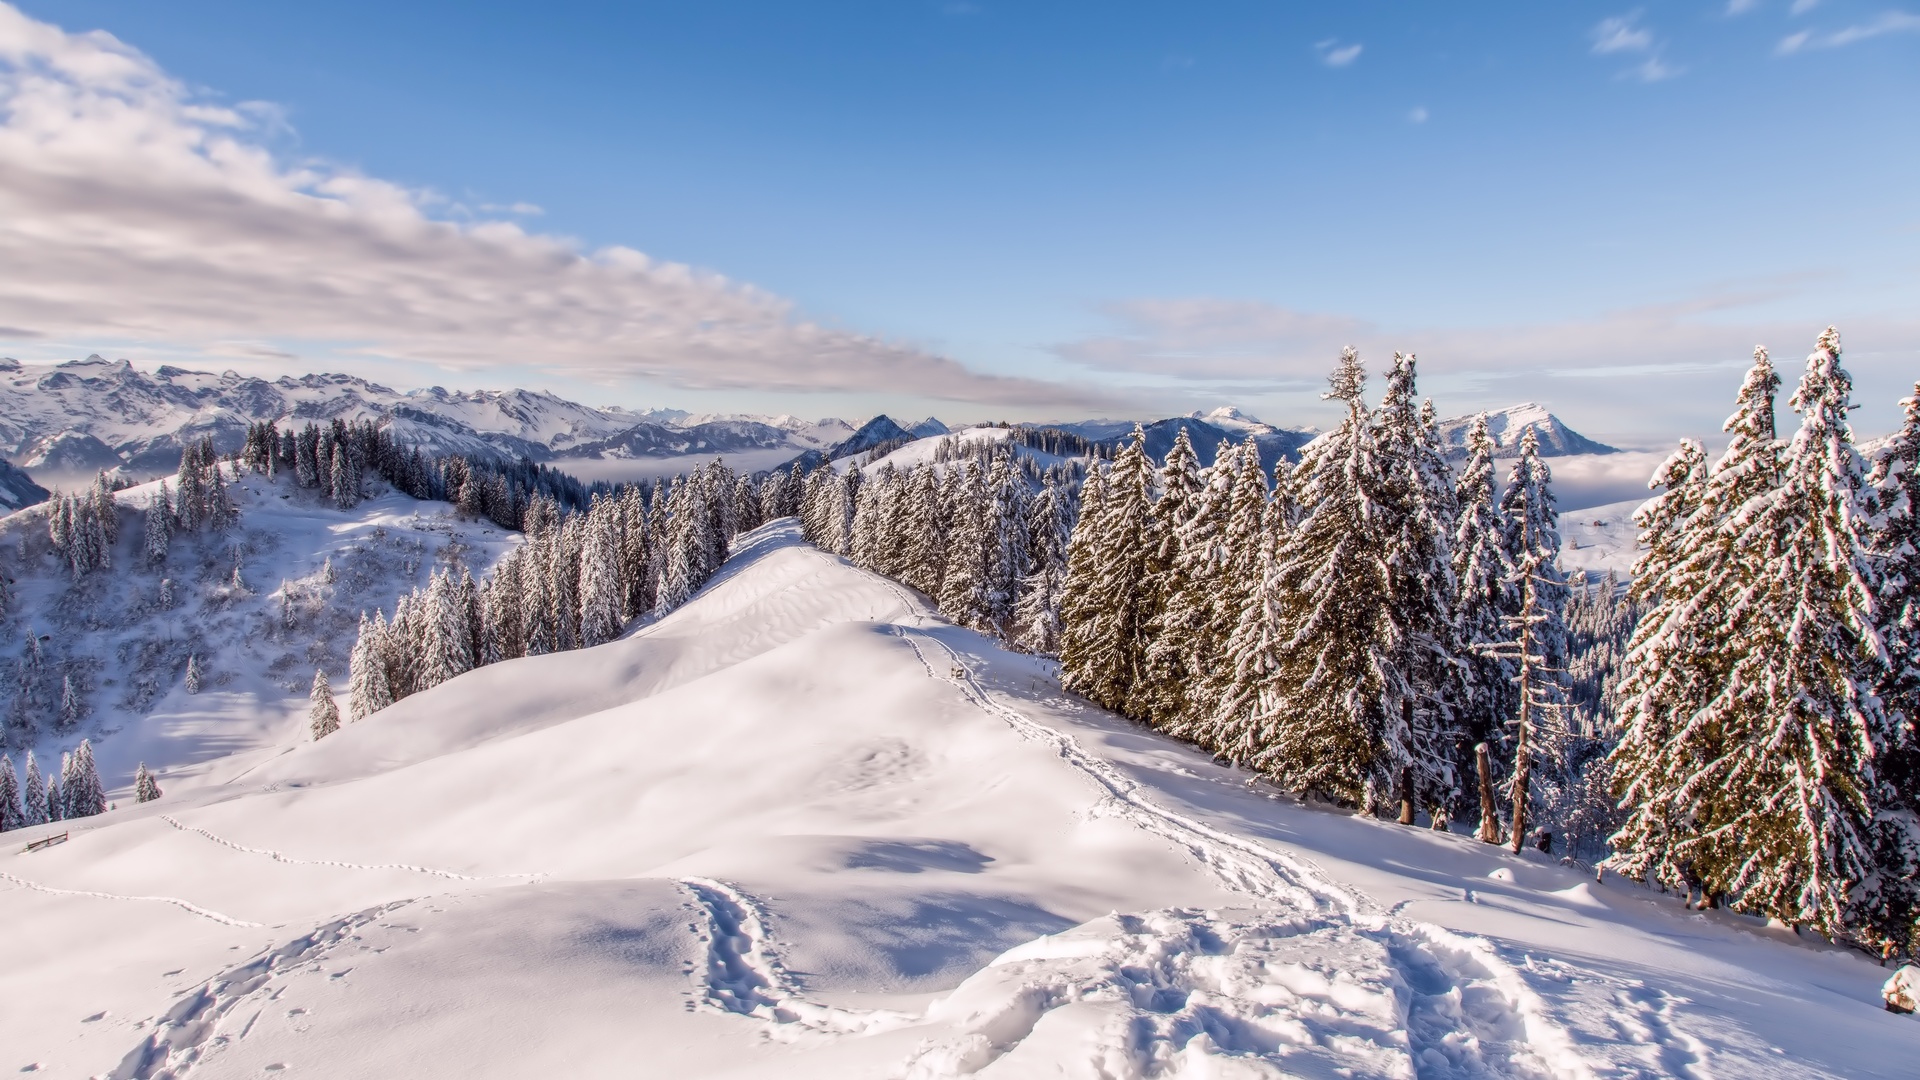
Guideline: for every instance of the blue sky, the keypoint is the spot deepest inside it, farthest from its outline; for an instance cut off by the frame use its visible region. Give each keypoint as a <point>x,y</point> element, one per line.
<point>1156,207</point>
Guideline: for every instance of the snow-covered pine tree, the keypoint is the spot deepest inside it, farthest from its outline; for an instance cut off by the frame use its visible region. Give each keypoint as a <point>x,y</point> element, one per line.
<point>1536,624</point>
<point>924,552</point>
<point>1679,659</point>
<point>1890,907</point>
<point>12,815</point>
<point>80,787</point>
<point>367,672</point>
<point>105,510</point>
<point>1483,579</point>
<point>1426,680</point>
<point>964,588</point>
<point>1008,497</point>
<point>193,673</point>
<point>190,504</point>
<point>1313,701</point>
<point>1188,515</point>
<point>448,646</point>
<point>1804,725</point>
<point>146,788</point>
<point>636,554</point>
<point>1103,640</point>
<point>602,592</point>
<point>869,521</point>
<point>1037,614</point>
<point>56,800</point>
<point>221,513</point>
<point>1249,535</point>
<point>158,527</point>
<point>323,716</point>
<point>33,796</point>
<point>71,707</point>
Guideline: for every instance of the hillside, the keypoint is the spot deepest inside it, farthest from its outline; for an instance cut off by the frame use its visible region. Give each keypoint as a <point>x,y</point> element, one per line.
<point>1509,425</point>
<point>801,828</point>
<point>124,637</point>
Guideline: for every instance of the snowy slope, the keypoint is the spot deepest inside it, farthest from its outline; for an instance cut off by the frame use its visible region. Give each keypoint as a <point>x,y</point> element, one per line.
<point>1600,539</point>
<point>127,651</point>
<point>801,828</point>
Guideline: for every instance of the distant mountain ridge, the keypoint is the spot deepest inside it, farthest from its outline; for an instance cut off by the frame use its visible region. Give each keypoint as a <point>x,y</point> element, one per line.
<point>1509,425</point>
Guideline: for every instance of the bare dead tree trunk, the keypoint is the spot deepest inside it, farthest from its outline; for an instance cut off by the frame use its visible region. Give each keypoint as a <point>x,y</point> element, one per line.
<point>1489,815</point>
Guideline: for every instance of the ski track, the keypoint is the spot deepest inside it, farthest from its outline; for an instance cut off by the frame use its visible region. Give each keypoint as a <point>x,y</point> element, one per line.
<point>174,900</point>
<point>1467,1011</point>
<point>190,1032</point>
<point>744,975</point>
<point>277,856</point>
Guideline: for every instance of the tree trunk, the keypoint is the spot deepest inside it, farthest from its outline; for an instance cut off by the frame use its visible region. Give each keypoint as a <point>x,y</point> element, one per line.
<point>1489,816</point>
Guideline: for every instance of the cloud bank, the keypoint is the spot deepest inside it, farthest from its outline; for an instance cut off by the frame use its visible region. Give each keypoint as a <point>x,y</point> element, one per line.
<point>134,208</point>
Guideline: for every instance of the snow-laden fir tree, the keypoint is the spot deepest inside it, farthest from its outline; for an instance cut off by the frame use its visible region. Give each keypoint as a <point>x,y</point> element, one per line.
<point>602,588</point>
<point>1253,526</point>
<point>12,815</point>
<point>193,677</point>
<point>81,792</point>
<point>71,707</point>
<point>1315,700</point>
<point>33,795</point>
<point>1037,615</point>
<point>146,788</point>
<point>1536,626</point>
<point>1418,527</point>
<point>1482,577</point>
<point>965,589</point>
<point>1008,497</point>
<point>158,527</point>
<point>367,685</point>
<point>924,549</point>
<point>323,716</point>
<point>1891,900</point>
<point>1103,636</point>
<point>1679,661</point>
<point>1173,601</point>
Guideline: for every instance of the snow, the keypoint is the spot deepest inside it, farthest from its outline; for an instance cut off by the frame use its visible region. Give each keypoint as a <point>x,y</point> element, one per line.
<point>1599,539</point>
<point>259,670</point>
<point>802,828</point>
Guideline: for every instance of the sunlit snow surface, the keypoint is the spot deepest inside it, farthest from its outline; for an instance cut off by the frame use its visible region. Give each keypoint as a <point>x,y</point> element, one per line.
<point>801,828</point>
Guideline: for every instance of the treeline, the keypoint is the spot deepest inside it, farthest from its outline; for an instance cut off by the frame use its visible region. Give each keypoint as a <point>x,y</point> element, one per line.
<point>976,536</point>
<point>73,792</point>
<point>576,581</point>
<point>1768,757</point>
<point>1371,629</point>
<point>336,456</point>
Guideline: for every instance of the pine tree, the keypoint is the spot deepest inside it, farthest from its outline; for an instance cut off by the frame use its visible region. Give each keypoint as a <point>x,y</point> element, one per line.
<point>1890,904</point>
<point>193,673</point>
<point>1483,578</point>
<point>1313,702</point>
<point>323,716</point>
<point>158,527</point>
<point>1537,626</point>
<point>1679,660</point>
<point>71,708</point>
<point>367,673</point>
<point>1103,640</point>
<point>1037,614</point>
<point>602,592</point>
<point>80,785</point>
<point>145,787</point>
<point>1191,512</point>
<point>33,802</point>
<point>12,814</point>
<point>1421,516</point>
<point>924,554</point>
<point>965,587</point>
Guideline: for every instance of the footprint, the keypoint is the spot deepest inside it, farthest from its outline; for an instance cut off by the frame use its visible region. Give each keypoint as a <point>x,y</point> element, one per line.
<point>101,1015</point>
<point>277,1066</point>
<point>296,1012</point>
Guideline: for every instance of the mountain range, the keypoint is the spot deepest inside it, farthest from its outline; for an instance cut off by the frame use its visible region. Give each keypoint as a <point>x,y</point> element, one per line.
<point>60,423</point>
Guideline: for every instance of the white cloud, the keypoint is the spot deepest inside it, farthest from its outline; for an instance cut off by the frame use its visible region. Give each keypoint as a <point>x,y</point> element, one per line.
<point>1801,7</point>
<point>1621,34</point>
<point>1652,70</point>
<point>1334,54</point>
<point>147,212</point>
<point>1741,7</point>
<point>1417,115</point>
<point>1890,22</point>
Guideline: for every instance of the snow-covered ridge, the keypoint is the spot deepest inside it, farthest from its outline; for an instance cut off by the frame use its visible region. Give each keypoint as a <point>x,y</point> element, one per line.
<point>801,828</point>
<point>1509,425</point>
